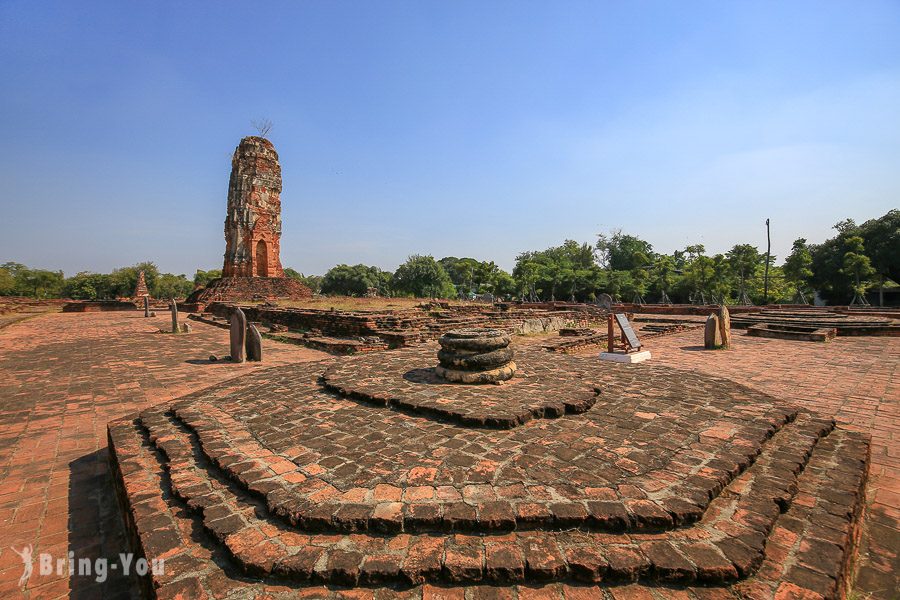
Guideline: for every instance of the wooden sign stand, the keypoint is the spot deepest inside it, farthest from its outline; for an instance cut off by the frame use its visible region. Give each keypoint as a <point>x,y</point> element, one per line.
<point>625,347</point>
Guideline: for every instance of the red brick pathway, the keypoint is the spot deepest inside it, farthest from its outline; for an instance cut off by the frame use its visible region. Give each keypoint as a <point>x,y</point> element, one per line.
<point>855,380</point>
<point>62,378</point>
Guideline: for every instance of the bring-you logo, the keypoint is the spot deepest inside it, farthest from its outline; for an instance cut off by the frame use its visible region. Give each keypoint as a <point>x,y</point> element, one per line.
<point>98,568</point>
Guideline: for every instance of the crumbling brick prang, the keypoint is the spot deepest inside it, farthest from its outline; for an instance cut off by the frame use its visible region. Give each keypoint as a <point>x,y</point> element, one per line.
<point>253,222</point>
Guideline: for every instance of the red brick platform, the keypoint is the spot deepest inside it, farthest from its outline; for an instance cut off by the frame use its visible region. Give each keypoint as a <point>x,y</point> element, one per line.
<point>670,479</point>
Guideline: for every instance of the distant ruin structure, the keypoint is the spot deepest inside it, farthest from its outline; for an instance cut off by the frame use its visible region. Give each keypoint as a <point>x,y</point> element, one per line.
<point>253,221</point>
<point>252,268</point>
<point>140,290</point>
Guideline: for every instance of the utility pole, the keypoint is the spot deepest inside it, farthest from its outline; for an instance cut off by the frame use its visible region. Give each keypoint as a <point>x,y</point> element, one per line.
<point>768,254</point>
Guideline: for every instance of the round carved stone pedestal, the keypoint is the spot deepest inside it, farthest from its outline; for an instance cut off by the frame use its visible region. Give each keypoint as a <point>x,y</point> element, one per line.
<point>475,356</point>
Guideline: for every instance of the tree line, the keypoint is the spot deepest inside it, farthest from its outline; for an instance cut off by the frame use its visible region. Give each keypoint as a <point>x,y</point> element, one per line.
<point>843,269</point>
<point>18,280</point>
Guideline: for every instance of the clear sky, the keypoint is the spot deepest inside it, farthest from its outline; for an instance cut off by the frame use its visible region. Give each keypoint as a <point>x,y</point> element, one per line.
<point>448,128</point>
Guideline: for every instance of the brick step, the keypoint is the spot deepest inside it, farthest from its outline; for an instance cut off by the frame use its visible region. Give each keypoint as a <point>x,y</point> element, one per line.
<point>739,518</point>
<point>274,479</point>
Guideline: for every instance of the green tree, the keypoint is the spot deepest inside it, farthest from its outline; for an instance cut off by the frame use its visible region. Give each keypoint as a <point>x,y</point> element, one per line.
<point>663,274</point>
<point>882,241</point>
<point>470,276</point>
<point>202,278</point>
<point>423,277</point>
<point>39,283</point>
<point>858,267</point>
<point>87,286</point>
<point>344,280</point>
<point>503,285</point>
<point>829,278</point>
<point>7,282</point>
<point>699,270</point>
<point>568,271</point>
<point>618,283</point>
<point>167,285</point>
<point>313,282</point>
<point>124,279</point>
<point>622,252</point>
<point>798,269</point>
<point>720,280</point>
<point>744,260</point>
<point>527,273</point>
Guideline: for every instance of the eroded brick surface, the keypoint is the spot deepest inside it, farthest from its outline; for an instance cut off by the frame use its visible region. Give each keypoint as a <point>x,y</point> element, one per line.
<point>810,478</point>
<point>296,482</point>
<point>64,376</point>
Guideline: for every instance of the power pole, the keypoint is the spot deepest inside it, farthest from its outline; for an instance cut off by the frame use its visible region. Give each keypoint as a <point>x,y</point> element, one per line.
<point>768,254</point>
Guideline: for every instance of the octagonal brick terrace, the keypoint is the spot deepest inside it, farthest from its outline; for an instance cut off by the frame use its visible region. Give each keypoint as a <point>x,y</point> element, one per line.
<point>372,474</point>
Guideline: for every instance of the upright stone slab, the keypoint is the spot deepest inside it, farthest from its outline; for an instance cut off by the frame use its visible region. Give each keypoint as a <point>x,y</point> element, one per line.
<point>712,335</point>
<point>146,306</point>
<point>174,308</point>
<point>254,343</point>
<point>238,335</point>
<point>605,301</point>
<point>725,326</point>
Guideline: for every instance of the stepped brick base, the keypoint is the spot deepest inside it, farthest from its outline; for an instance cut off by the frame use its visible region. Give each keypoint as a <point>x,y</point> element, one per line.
<point>248,289</point>
<point>379,483</point>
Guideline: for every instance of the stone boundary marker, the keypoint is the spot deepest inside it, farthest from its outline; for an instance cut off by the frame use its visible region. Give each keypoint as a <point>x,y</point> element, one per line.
<point>174,308</point>
<point>712,335</point>
<point>238,335</point>
<point>253,343</point>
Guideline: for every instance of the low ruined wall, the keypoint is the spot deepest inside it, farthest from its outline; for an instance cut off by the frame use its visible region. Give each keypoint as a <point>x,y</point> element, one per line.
<point>331,323</point>
<point>98,306</point>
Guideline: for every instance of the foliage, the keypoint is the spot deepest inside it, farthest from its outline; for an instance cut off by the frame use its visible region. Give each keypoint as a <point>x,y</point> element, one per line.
<point>857,266</point>
<point>471,276</point>
<point>662,274</point>
<point>313,282</point>
<point>344,280</point>
<point>743,261</point>
<point>87,286</point>
<point>836,281</point>
<point>623,252</point>
<point>36,283</point>
<point>7,281</point>
<point>569,271</point>
<point>202,278</point>
<point>168,285</point>
<point>422,277</point>
<point>881,238</point>
<point>798,267</point>
<point>123,280</point>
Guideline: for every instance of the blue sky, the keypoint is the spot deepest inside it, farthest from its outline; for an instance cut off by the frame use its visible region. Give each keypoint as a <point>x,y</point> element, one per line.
<point>467,128</point>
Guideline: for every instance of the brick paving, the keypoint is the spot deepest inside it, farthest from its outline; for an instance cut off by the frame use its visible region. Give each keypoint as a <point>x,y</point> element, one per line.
<point>854,379</point>
<point>64,376</point>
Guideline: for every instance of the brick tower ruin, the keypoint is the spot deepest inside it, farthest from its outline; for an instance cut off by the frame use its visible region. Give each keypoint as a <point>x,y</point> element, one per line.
<point>140,290</point>
<point>253,222</point>
<point>252,270</point>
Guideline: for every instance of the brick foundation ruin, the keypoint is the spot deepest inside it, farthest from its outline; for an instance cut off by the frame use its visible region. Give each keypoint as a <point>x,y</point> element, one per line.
<point>366,477</point>
<point>343,332</point>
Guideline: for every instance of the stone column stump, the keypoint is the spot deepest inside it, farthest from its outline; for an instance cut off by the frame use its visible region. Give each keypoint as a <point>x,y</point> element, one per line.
<point>238,335</point>
<point>475,356</point>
